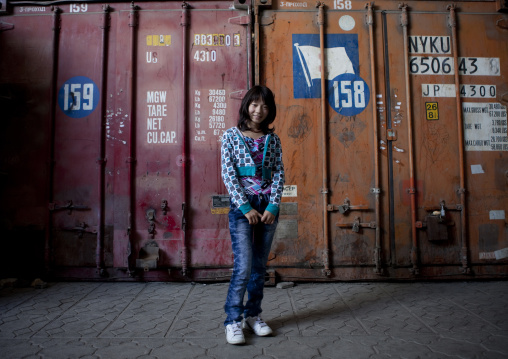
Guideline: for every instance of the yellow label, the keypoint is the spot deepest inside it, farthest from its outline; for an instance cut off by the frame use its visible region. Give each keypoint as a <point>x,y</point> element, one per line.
<point>158,40</point>
<point>224,210</point>
<point>432,111</point>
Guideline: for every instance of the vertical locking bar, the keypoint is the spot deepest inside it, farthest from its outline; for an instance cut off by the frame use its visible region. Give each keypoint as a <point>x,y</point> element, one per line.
<point>131,160</point>
<point>51,142</point>
<point>324,140</point>
<point>404,22</point>
<point>377,248</point>
<point>99,251</point>
<point>464,254</point>
<point>184,143</point>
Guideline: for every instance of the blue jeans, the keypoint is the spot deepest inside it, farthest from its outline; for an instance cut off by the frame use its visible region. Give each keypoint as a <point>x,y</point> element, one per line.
<point>251,246</point>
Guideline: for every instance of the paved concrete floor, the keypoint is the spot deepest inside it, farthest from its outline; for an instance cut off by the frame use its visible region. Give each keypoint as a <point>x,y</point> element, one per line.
<point>184,320</point>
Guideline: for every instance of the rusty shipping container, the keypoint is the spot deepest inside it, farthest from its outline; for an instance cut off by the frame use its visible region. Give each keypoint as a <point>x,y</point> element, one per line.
<point>396,154</point>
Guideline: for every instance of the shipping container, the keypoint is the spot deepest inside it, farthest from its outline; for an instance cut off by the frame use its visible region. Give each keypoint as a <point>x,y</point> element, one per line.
<point>395,155</point>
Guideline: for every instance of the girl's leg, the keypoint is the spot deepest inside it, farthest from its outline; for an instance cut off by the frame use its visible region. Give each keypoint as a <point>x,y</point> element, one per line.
<point>241,240</point>
<point>263,238</point>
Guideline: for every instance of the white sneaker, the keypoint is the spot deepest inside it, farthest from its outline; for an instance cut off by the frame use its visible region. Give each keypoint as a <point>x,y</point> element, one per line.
<point>257,325</point>
<point>234,333</point>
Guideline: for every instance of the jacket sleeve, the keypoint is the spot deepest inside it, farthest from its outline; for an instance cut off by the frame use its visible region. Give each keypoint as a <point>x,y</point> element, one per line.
<point>230,176</point>
<point>278,178</point>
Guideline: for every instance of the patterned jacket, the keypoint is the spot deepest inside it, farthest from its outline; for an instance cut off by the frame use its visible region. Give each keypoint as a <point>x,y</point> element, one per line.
<point>237,162</point>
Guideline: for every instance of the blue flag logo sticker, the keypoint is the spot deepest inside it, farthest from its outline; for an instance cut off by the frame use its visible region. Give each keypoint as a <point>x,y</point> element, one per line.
<point>348,94</point>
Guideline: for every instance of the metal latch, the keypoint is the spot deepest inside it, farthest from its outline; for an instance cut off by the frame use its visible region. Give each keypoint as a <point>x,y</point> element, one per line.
<point>150,216</point>
<point>391,135</point>
<point>164,207</point>
<point>69,206</point>
<point>81,228</point>
<point>346,207</point>
<point>357,224</point>
<point>148,256</point>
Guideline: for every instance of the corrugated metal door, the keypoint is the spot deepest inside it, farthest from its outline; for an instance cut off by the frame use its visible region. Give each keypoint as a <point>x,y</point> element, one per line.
<point>25,103</point>
<point>77,141</point>
<point>191,70</point>
<point>484,100</point>
<point>423,153</point>
<point>141,96</point>
<point>458,212</point>
<point>405,118</point>
<point>291,67</point>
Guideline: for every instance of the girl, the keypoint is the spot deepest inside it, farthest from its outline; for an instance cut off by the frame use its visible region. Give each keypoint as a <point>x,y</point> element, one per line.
<point>253,173</point>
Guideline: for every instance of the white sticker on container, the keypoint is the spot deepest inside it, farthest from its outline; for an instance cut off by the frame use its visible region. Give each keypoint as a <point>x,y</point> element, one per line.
<point>485,126</point>
<point>438,90</point>
<point>42,9</point>
<point>476,66</point>
<point>469,90</point>
<point>496,214</point>
<point>487,255</point>
<point>476,169</point>
<point>501,254</point>
<point>346,23</point>
<point>290,191</point>
<point>429,45</point>
<point>293,4</point>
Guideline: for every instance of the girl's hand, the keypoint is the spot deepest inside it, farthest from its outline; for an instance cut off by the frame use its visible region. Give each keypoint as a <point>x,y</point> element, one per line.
<point>268,217</point>
<point>253,216</point>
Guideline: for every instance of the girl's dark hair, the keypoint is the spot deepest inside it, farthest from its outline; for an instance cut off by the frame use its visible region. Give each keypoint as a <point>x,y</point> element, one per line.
<point>255,94</point>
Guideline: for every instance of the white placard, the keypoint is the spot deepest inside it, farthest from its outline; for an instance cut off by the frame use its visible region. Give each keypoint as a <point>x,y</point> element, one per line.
<point>290,191</point>
<point>476,169</point>
<point>496,214</point>
<point>485,126</point>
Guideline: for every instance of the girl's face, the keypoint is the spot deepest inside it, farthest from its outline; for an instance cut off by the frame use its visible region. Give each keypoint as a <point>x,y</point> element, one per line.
<point>257,112</point>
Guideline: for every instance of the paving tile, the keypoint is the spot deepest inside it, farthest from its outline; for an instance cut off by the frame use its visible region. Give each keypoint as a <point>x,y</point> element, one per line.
<point>22,326</point>
<point>202,314</point>
<point>73,326</point>
<point>18,348</point>
<point>65,348</point>
<point>226,351</point>
<point>290,349</point>
<point>350,347</point>
<point>497,343</point>
<point>323,311</point>
<point>278,311</point>
<point>122,349</point>
<point>320,320</point>
<point>13,297</point>
<point>180,350</point>
<point>456,348</point>
<point>404,348</point>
